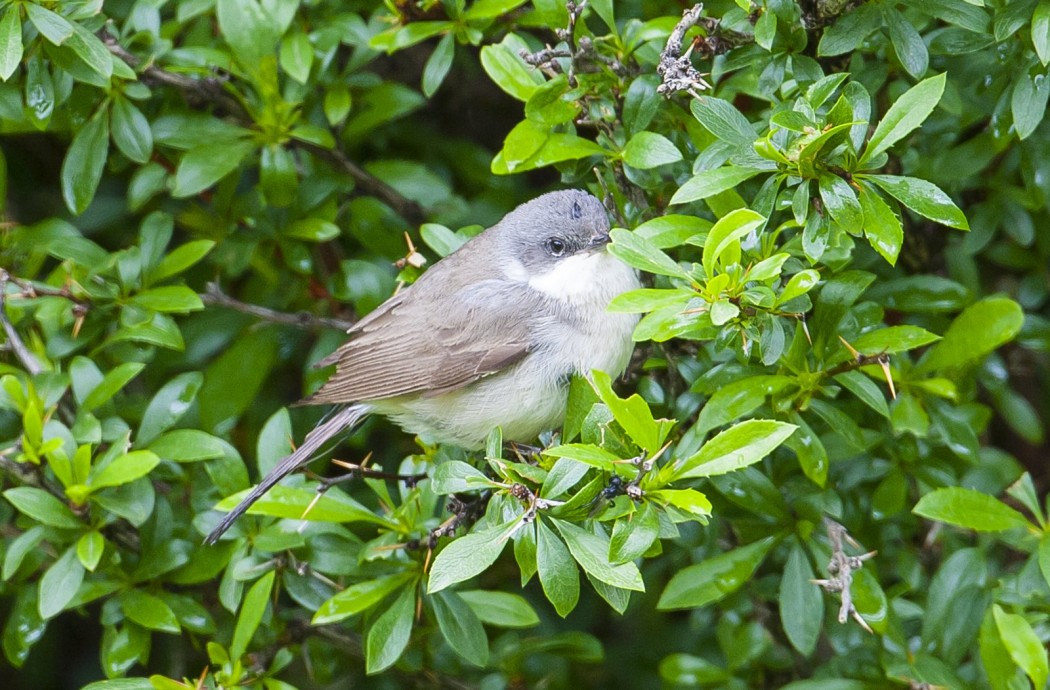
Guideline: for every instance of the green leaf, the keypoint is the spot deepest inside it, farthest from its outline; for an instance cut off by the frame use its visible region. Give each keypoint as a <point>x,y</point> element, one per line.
<point>389,634</point>
<point>738,398</point>
<point>707,582</point>
<point>250,31</point>
<point>801,603</point>
<point>1040,31</point>
<point>925,198</point>
<point>296,56</point>
<point>722,246</point>
<point>502,609</point>
<point>131,132</point>
<point>206,164</point>
<point>92,51</point>
<point>312,230</point>
<point>10,42</point>
<point>907,43</point>
<point>893,339</point>
<point>360,597</point>
<point>635,250</point>
<point>508,71</point>
<point>177,299</point>
<point>51,26</point>
<point>1043,555</point>
<point>461,628</point>
<point>712,182</point>
<point>42,507</point>
<point>90,547</point>
<point>850,30</point>
<point>123,469</point>
<point>1028,104</point>
<point>799,284</point>
<point>149,611</point>
<point>592,553</point>
<point>723,120</point>
<point>737,447</point>
<point>647,150</point>
<point>1023,645</point>
<point>114,380</point>
<point>251,614</point>
<point>454,476</point>
<point>977,331</point>
<point>557,570</point>
<point>84,162</point>
<point>337,104</point>
<point>634,534</point>
<point>650,299</point>
<point>291,503</point>
<point>882,227</point>
<point>179,259</point>
<point>469,555</point>
<point>586,454</point>
<point>969,509</point>
<point>168,405</point>
<point>633,414</point>
<point>908,112</point>
<point>438,64</point>
<point>59,584</point>
<point>689,501</point>
<point>841,201</point>
<point>188,445</point>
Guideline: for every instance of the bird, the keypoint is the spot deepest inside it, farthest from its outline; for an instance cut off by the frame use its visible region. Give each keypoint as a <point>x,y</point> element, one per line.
<point>490,336</point>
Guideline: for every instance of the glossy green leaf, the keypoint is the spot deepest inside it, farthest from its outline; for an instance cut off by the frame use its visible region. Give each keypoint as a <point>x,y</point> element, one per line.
<point>461,628</point>
<point>737,447</point>
<point>291,503</point>
<point>60,583</point>
<point>469,555</point>
<point>592,553</point>
<point>1028,104</point>
<point>969,509</point>
<point>1041,31</point>
<point>251,614</point>
<point>722,247</point>
<point>882,227</point>
<point>634,534</point>
<point>557,570</point>
<point>181,258</point>
<point>906,114</point>
<point>723,120</point>
<point>84,162</point>
<point>149,611</point>
<point>388,636</point>
<point>707,582</point>
<point>296,56</point>
<point>801,603</point>
<point>177,299</point>
<point>647,150</point>
<point>455,476</point>
<point>893,339</point>
<point>711,182</point>
<point>633,249</point>
<point>501,609</point>
<point>203,166</point>
<point>907,43</point>
<point>90,547</point>
<point>123,469</point>
<point>438,64</point>
<point>360,597</point>
<point>42,507</point>
<point>10,42</point>
<point>977,331</point>
<point>739,398</point>
<point>924,198</point>
<point>114,381</point>
<point>1023,645</point>
<point>168,405</point>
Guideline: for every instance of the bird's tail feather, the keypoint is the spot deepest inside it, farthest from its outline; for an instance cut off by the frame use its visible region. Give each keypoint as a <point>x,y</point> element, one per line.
<point>340,421</point>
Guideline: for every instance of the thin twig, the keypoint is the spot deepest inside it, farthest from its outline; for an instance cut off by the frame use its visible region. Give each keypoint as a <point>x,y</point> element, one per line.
<point>21,352</point>
<point>214,296</point>
<point>200,91</point>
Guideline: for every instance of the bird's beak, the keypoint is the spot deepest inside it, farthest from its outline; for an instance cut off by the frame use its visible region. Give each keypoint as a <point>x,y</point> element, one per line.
<point>600,240</point>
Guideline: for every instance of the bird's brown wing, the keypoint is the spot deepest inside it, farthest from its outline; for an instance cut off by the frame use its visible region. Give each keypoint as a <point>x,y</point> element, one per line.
<point>429,346</point>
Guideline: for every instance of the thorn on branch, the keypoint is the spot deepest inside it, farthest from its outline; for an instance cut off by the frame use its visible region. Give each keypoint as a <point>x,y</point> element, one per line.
<point>841,569</point>
<point>675,68</point>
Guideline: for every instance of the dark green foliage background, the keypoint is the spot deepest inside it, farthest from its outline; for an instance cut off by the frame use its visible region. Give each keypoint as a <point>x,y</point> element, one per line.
<point>166,165</point>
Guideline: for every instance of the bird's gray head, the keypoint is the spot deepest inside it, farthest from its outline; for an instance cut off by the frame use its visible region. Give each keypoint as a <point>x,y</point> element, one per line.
<point>553,228</point>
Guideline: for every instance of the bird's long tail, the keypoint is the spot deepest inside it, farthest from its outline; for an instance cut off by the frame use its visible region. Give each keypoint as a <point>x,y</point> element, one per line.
<point>339,422</point>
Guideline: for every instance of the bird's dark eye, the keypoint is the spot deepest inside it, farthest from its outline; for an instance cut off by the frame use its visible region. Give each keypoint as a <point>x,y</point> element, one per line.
<point>554,246</point>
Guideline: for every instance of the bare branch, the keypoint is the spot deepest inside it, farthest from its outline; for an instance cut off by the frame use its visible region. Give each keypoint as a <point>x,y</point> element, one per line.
<point>214,296</point>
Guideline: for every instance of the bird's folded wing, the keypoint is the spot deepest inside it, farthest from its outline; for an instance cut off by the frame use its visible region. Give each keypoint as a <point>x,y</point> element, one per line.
<point>429,346</point>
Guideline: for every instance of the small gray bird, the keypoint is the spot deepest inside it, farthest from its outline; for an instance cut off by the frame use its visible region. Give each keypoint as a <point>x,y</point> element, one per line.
<point>490,336</point>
